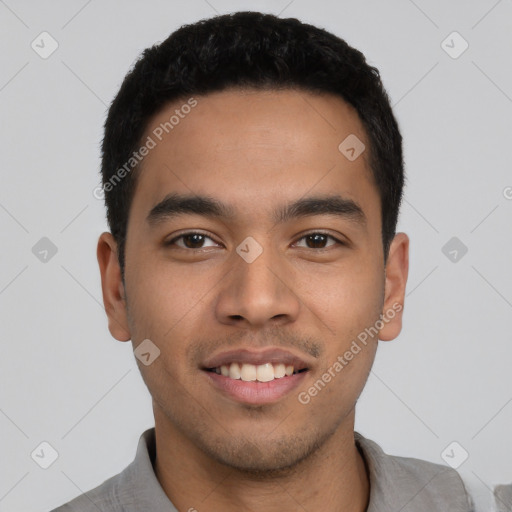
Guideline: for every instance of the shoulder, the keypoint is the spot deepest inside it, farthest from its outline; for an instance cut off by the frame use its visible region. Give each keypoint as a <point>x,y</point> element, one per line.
<point>135,489</point>
<point>503,497</point>
<point>100,497</point>
<point>410,484</point>
<point>104,497</point>
<point>120,492</point>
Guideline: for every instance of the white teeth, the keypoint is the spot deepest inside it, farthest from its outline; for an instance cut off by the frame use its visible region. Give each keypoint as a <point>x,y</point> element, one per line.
<point>249,372</point>
<point>234,371</point>
<point>265,372</point>
<point>279,371</point>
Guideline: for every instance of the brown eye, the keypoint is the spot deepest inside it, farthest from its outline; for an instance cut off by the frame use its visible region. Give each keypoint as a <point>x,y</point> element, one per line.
<point>318,240</point>
<point>191,241</point>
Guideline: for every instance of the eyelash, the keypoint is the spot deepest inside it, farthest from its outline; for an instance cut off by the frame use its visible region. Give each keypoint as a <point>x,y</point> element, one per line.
<point>188,233</point>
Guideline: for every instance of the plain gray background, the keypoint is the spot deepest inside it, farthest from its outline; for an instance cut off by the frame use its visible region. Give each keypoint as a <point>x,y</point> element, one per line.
<point>66,381</point>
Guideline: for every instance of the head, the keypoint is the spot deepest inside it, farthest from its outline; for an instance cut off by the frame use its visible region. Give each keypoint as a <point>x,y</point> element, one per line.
<point>253,175</point>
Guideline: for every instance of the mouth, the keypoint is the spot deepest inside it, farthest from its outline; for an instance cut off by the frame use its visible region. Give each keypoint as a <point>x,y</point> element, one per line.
<point>255,377</point>
<point>247,372</point>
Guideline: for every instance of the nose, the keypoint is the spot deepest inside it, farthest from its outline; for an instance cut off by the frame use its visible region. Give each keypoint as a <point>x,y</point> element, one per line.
<point>258,293</point>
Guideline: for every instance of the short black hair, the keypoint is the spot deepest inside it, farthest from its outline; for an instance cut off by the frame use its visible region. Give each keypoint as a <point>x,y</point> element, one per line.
<point>247,50</point>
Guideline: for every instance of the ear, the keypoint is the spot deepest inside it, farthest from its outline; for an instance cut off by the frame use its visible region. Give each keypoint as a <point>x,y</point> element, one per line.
<point>114,299</point>
<point>397,269</point>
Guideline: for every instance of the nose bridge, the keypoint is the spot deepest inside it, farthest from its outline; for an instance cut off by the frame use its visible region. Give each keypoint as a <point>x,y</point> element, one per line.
<point>257,288</point>
<point>260,275</point>
<point>256,271</point>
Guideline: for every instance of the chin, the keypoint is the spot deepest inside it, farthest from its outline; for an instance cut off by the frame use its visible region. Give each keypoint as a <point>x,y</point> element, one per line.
<point>264,458</point>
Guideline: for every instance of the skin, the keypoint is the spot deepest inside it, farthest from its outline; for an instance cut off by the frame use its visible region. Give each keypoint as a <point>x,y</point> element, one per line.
<point>256,150</point>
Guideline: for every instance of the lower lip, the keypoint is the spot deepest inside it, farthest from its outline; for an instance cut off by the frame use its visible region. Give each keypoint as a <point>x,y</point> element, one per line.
<point>254,392</point>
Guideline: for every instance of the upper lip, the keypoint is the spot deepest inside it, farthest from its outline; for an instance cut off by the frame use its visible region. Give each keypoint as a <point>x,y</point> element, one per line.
<point>270,355</point>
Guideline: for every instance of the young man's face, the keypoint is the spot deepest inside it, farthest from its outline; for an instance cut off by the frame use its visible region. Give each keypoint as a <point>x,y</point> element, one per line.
<point>252,287</point>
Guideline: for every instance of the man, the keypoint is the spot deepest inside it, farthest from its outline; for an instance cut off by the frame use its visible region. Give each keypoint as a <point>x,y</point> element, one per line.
<point>252,170</point>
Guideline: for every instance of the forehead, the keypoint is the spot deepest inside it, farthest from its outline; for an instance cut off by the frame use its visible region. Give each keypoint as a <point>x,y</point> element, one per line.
<point>253,149</point>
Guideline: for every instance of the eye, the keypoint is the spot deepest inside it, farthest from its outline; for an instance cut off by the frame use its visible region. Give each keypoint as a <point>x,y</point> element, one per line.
<point>191,240</point>
<point>318,240</point>
<point>196,240</point>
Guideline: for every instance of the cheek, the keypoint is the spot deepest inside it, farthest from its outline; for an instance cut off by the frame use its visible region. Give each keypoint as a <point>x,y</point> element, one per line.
<point>349,302</point>
<point>160,306</point>
<point>333,392</point>
<point>355,363</point>
<point>164,294</point>
<point>347,297</point>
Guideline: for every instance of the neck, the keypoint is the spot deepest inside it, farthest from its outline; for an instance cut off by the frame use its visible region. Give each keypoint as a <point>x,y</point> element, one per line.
<point>333,478</point>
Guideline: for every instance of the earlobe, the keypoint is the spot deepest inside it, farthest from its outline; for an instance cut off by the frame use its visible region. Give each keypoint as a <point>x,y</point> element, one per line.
<point>112,287</point>
<point>397,269</point>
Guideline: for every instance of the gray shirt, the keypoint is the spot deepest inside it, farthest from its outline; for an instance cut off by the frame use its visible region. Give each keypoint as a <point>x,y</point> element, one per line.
<point>503,498</point>
<point>397,484</point>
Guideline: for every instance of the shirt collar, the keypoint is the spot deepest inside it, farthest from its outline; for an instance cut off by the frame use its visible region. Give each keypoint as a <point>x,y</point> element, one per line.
<point>407,484</point>
<point>139,488</point>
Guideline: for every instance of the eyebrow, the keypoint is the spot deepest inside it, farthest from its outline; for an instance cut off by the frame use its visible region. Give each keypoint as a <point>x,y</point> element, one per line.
<point>174,205</point>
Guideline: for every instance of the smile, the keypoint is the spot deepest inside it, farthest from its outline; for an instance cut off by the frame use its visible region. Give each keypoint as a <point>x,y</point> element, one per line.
<point>266,372</point>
